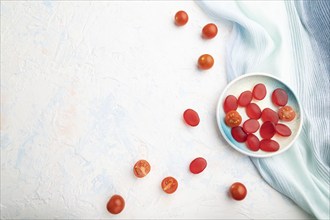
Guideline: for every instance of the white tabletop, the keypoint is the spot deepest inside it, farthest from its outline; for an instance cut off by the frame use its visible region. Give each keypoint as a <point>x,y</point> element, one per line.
<point>87,89</point>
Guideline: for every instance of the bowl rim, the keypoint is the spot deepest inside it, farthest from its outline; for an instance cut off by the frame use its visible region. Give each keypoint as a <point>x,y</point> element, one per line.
<point>252,154</point>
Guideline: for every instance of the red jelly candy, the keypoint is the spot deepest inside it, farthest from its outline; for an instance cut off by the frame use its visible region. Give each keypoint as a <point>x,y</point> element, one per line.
<point>269,145</point>
<point>238,134</point>
<point>253,111</point>
<point>197,165</point>
<point>283,130</point>
<point>245,98</point>
<point>251,126</point>
<point>191,117</point>
<point>230,103</point>
<point>252,142</point>
<point>269,115</point>
<point>259,91</point>
<point>280,97</point>
<point>267,130</point>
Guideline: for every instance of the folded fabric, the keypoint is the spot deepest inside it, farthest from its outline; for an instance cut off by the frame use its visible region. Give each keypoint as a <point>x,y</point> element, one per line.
<point>290,40</point>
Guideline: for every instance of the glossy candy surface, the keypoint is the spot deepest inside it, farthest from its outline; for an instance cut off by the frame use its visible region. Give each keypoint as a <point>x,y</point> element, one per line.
<point>245,98</point>
<point>238,134</point>
<point>252,142</point>
<point>269,145</point>
<point>269,115</point>
<point>283,130</point>
<point>251,126</point>
<point>253,111</point>
<point>280,97</point>
<point>267,130</point>
<point>197,165</point>
<point>259,91</point>
<point>230,103</point>
<point>191,117</point>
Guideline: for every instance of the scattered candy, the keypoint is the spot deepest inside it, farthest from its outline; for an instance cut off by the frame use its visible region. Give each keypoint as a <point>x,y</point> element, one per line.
<point>233,119</point>
<point>197,165</point>
<point>191,117</point>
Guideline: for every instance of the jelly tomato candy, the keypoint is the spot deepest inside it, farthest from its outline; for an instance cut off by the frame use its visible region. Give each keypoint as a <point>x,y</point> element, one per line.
<point>197,165</point>
<point>269,145</point>
<point>269,115</point>
<point>238,134</point>
<point>233,118</point>
<point>191,117</point>
<point>230,103</point>
<point>251,126</point>
<point>141,168</point>
<point>116,204</point>
<point>280,97</point>
<point>181,18</point>
<point>267,130</point>
<point>286,113</point>
<point>209,31</point>
<point>252,142</point>
<point>259,91</point>
<point>283,130</point>
<point>245,98</point>
<point>253,111</point>
<point>205,62</point>
<point>238,191</point>
<point>169,185</point>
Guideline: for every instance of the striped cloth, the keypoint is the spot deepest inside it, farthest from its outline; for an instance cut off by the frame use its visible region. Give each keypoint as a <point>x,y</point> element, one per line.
<point>289,39</point>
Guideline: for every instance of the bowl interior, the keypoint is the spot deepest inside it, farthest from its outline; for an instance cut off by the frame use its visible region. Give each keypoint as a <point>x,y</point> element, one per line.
<point>247,82</point>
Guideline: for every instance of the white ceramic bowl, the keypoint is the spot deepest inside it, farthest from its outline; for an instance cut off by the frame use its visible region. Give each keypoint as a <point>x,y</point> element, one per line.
<point>247,82</point>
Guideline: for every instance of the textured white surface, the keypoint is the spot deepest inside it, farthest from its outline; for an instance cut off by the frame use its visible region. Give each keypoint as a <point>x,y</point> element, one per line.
<point>87,89</point>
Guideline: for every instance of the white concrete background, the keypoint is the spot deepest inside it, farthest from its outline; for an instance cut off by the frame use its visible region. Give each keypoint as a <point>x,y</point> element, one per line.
<point>87,89</point>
